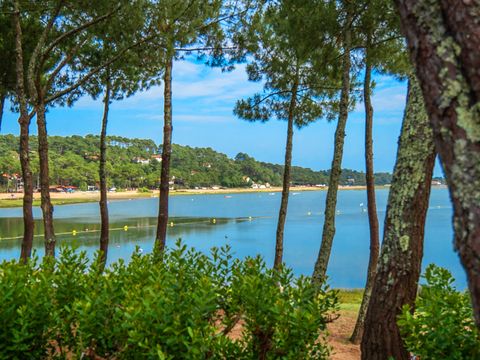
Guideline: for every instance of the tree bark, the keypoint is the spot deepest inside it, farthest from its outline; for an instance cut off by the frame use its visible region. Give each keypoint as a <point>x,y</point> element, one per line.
<point>24,122</point>
<point>2,104</point>
<point>104,229</point>
<point>166,153</point>
<point>46,204</point>
<point>399,265</point>
<point>444,41</point>
<point>335,171</point>
<point>282,215</point>
<point>371,204</point>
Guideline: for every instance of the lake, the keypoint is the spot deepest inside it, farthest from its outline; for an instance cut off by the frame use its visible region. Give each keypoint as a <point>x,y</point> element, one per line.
<point>193,215</point>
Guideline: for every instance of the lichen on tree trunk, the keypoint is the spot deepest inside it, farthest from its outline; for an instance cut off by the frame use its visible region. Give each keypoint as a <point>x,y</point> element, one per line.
<point>444,42</point>
<point>399,265</point>
<point>328,233</point>
<point>166,153</point>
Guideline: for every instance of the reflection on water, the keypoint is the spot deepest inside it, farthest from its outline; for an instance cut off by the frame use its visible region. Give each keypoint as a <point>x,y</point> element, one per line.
<point>85,234</point>
<point>247,222</point>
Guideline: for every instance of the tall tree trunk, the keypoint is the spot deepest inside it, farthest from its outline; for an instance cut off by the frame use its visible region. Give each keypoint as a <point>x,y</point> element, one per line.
<point>335,171</point>
<point>28,222</point>
<point>46,204</point>
<point>371,203</point>
<point>2,104</point>
<point>166,153</point>
<point>444,42</point>
<point>399,266</point>
<point>282,215</point>
<point>104,232</point>
<point>24,121</point>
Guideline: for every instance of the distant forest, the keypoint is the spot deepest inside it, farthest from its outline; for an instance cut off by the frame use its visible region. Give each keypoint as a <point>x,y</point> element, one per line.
<point>135,163</point>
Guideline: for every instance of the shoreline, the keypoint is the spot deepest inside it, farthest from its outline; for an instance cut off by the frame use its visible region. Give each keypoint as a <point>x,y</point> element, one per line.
<point>11,200</point>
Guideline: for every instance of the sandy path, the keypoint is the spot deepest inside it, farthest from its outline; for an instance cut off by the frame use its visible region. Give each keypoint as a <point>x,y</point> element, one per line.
<point>340,331</point>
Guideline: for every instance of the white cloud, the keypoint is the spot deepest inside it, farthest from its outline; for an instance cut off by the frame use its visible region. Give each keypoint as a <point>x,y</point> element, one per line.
<point>208,87</point>
<point>202,118</point>
<point>389,96</point>
<point>185,118</point>
<point>186,68</point>
<point>390,99</point>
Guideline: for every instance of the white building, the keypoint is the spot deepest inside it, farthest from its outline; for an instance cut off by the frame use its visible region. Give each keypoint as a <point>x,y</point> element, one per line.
<point>139,160</point>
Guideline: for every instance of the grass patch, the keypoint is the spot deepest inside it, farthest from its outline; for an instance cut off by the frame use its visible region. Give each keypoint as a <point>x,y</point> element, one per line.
<point>11,203</point>
<point>350,299</point>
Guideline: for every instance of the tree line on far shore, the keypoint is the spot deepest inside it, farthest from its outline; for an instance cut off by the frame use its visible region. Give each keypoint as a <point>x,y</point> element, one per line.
<point>315,60</point>
<point>136,163</point>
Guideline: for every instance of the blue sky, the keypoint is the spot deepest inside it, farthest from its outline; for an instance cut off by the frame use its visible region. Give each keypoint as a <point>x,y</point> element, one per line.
<point>203,100</point>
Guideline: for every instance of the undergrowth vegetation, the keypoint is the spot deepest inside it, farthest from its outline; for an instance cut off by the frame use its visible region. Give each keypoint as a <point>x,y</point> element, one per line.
<point>442,325</point>
<point>184,306</point>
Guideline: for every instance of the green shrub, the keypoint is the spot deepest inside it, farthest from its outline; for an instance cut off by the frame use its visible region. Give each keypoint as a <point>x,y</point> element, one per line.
<point>83,186</point>
<point>25,310</point>
<point>144,190</point>
<point>442,325</point>
<point>183,307</point>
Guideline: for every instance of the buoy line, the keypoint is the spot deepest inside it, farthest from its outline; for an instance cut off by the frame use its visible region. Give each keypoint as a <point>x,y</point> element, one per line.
<point>127,227</point>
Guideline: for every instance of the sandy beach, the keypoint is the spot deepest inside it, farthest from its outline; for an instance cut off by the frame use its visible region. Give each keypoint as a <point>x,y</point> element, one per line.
<point>63,198</point>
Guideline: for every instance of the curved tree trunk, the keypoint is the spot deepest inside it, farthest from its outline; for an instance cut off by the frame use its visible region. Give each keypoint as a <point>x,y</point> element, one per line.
<point>24,121</point>
<point>104,232</point>
<point>336,169</point>
<point>166,153</point>
<point>399,266</point>
<point>445,52</point>
<point>46,204</point>
<point>371,203</point>
<point>282,215</point>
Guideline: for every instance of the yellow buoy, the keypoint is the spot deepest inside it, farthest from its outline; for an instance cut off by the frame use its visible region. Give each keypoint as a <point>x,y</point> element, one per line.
<point>214,221</point>
<point>171,224</point>
<point>125,228</point>
<point>74,232</point>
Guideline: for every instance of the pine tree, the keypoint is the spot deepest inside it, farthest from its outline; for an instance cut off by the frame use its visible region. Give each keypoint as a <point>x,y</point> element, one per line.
<point>384,53</point>
<point>66,32</point>
<point>135,70</point>
<point>296,88</point>
<point>346,18</point>
<point>196,28</point>
<point>24,122</point>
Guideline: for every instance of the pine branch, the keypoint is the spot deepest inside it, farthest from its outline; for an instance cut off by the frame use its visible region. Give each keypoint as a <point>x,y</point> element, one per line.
<point>62,64</point>
<point>33,65</point>
<point>76,30</point>
<point>205,48</point>
<point>269,96</point>
<point>94,71</point>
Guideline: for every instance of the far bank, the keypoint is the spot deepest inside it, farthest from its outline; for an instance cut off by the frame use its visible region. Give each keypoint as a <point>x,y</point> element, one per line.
<point>8,200</point>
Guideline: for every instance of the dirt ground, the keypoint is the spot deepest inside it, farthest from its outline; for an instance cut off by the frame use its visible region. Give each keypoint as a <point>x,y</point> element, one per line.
<point>340,331</point>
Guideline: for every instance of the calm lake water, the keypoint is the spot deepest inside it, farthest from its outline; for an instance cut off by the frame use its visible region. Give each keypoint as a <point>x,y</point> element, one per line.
<point>192,222</point>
